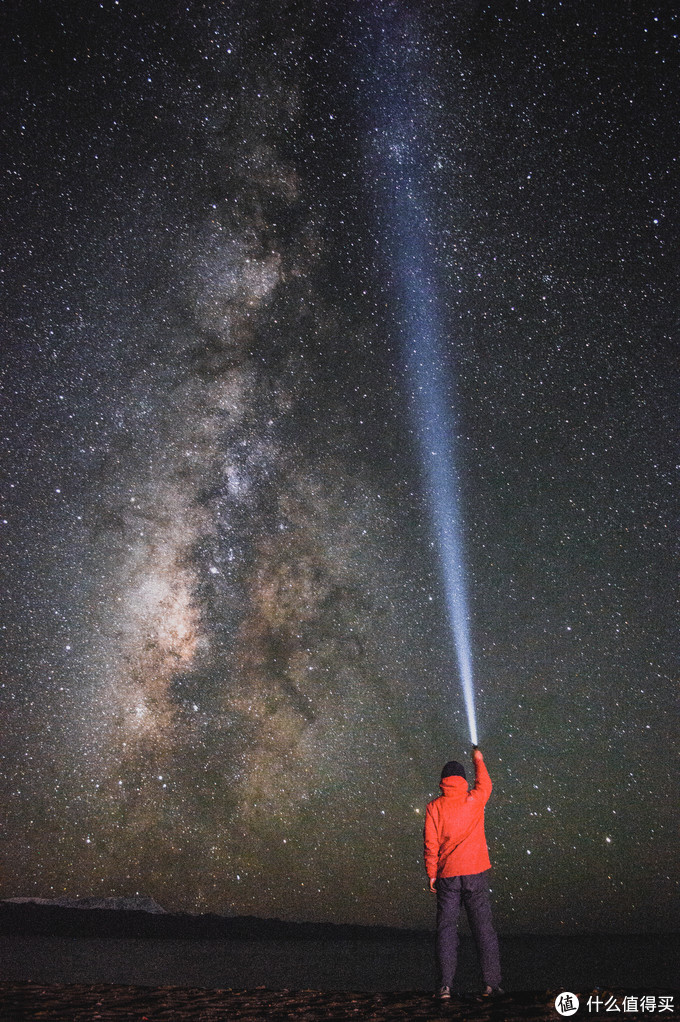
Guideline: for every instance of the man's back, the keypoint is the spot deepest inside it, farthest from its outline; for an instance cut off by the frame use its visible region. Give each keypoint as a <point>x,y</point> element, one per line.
<point>455,842</point>
<point>457,864</point>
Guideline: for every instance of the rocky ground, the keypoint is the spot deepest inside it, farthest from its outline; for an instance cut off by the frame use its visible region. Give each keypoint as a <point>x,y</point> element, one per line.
<point>25,1002</point>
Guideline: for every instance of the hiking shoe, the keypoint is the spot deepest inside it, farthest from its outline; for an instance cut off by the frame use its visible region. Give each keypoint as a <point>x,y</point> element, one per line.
<point>444,993</point>
<point>492,991</point>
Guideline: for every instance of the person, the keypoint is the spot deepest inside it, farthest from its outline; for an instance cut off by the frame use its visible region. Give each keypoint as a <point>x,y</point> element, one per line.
<point>457,864</point>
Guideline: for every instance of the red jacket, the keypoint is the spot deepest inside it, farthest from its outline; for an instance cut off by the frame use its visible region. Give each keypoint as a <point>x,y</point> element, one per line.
<point>455,843</point>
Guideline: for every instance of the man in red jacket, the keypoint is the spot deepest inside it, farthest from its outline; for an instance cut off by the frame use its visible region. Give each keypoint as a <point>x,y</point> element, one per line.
<point>457,861</point>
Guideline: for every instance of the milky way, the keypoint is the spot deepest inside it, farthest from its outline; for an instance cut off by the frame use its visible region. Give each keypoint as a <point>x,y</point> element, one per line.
<point>227,681</point>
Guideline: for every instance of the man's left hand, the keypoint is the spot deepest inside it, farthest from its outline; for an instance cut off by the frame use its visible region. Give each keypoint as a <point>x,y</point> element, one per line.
<point>433,883</point>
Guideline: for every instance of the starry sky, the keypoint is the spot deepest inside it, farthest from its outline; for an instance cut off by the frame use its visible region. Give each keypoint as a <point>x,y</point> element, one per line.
<point>228,679</point>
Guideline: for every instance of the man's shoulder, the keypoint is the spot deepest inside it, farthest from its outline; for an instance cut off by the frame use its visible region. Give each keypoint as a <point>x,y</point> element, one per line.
<point>434,802</point>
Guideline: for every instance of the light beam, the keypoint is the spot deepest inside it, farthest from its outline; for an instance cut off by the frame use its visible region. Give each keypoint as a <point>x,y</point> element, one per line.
<point>413,260</point>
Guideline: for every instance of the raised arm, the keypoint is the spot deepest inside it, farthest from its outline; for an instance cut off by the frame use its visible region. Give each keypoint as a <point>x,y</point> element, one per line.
<point>483,785</point>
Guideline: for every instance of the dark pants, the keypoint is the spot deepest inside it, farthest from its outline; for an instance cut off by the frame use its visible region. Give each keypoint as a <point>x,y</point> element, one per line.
<point>474,892</point>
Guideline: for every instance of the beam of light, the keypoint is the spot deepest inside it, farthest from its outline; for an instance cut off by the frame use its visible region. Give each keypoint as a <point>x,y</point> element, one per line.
<point>414,264</point>
<point>434,425</point>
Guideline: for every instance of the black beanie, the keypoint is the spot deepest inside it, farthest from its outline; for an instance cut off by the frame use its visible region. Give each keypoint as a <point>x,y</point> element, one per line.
<point>453,769</point>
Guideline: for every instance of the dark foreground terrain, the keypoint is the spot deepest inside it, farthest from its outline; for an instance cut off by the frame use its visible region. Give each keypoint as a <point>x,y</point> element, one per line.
<point>72,964</point>
<point>25,1002</point>
<point>55,945</point>
<point>28,1002</point>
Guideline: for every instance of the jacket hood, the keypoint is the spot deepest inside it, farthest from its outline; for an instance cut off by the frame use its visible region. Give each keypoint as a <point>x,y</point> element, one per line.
<point>453,786</point>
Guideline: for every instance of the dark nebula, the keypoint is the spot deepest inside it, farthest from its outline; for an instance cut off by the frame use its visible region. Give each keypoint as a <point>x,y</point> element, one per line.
<point>227,677</point>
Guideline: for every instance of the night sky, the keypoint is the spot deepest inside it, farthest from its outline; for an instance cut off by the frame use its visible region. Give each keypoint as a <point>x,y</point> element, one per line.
<point>228,676</point>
